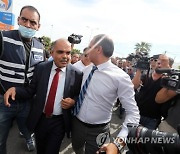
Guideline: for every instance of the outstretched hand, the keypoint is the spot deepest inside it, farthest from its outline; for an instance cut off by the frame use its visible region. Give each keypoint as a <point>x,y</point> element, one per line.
<point>10,93</point>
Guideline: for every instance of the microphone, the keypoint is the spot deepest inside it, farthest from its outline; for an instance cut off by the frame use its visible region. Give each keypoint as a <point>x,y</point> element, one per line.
<point>164,70</point>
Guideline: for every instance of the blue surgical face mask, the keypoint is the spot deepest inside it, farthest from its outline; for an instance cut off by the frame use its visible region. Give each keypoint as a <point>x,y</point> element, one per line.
<point>26,32</point>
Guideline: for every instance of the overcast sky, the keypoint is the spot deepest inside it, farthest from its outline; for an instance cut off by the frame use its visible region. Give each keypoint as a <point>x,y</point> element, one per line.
<point>127,21</point>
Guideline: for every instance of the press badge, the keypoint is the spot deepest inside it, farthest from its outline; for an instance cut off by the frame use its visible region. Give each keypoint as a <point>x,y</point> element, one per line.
<point>38,57</point>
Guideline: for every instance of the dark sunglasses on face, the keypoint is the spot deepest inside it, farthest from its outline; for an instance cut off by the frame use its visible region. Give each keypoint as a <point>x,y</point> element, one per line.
<point>154,60</point>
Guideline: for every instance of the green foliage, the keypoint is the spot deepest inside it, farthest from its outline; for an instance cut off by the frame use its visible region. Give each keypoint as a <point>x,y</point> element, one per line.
<point>143,47</point>
<point>47,42</point>
<point>75,51</point>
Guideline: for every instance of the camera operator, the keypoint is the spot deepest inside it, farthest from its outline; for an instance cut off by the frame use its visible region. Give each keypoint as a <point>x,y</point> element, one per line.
<point>145,97</point>
<point>170,123</point>
<point>153,61</point>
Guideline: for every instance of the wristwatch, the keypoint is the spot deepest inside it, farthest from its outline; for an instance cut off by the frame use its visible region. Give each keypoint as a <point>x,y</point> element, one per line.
<point>120,144</point>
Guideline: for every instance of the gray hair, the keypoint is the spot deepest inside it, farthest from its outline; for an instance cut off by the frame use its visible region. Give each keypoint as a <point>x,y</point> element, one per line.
<point>106,43</point>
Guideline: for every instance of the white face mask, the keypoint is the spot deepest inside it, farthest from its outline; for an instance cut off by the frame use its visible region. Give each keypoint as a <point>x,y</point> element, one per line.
<point>26,32</point>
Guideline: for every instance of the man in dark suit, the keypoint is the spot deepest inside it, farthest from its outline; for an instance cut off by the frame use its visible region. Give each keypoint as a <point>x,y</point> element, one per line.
<point>50,127</point>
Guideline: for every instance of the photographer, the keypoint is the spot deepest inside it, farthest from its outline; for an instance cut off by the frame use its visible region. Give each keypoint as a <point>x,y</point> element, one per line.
<point>170,123</point>
<point>145,98</point>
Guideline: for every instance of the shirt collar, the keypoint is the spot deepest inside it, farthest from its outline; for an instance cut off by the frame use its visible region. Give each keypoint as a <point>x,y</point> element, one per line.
<point>54,67</point>
<point>104,65</point>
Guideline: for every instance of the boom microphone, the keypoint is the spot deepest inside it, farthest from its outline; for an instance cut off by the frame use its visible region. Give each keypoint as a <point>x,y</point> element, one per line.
<point>164,70</point>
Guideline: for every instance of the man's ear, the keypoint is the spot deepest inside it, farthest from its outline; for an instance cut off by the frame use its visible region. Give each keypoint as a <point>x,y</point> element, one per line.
<point>99,49</point>
<point>39,26</point>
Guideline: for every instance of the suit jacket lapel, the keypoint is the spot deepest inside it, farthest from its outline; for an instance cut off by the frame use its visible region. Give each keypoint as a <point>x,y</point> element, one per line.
<point>67,80</point>
<point>68,93</point>
<point>46,74</point>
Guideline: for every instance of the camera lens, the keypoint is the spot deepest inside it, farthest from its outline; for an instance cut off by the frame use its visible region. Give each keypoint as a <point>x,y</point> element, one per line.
<point>141,140</point>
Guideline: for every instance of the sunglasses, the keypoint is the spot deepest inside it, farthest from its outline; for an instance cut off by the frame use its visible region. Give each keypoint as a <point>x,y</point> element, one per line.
<point>154,60</point>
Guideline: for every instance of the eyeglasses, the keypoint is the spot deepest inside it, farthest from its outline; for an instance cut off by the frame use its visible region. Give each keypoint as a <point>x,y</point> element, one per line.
<point>25,20</point>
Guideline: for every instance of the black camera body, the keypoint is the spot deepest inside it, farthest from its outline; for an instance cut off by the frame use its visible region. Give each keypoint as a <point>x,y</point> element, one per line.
<point>141,140</point>
<point>75,39</point>
<point>140,60</point>
<point>172,81</point>
<point>143,63</point>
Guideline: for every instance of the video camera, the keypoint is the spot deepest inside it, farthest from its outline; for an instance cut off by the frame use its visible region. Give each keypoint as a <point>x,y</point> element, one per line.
<point>172,81</point>
<point>140,60</point>
<point>75,39</point>
<point>141,140</point>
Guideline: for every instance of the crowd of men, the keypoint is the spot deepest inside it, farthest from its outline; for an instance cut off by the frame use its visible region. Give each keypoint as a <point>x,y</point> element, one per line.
<point>73,94</point>
<point>158,105</point>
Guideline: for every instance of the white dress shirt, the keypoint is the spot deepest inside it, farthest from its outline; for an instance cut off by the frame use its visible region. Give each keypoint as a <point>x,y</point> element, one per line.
<point>60,89</point>
<point>80,66</point>
<point>107,84</point>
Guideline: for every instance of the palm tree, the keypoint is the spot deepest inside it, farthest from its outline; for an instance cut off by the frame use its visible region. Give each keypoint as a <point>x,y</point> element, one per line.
<point>142,47</point>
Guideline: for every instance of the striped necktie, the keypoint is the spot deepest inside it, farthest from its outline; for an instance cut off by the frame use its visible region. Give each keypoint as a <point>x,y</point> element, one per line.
<point>83,92</point>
